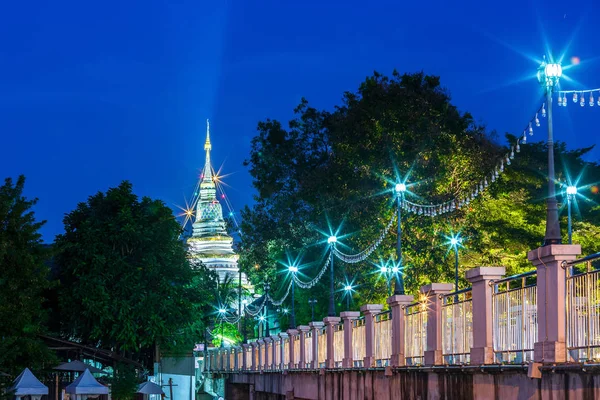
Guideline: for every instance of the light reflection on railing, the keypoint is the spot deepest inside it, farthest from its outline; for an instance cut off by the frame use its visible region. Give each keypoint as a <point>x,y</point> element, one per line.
<point>514,316</point>
<point>415,319</point>
<point>457,326</point>
<point>583,310</point>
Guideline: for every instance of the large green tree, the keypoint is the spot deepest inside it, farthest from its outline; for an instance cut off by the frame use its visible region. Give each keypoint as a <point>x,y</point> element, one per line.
<point>23,280</point>
<point>126,282</point>
<point>341,167</point>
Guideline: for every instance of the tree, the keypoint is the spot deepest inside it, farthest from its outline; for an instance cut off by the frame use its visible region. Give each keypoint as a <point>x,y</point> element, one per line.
<point>342,166</point>
<point>23,280</point>
<point>126,281</point>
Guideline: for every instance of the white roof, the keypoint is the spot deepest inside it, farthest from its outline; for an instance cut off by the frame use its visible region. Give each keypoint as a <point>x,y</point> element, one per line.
<point>86,384</point>
<point>27,384</point>
<point>150,388</point>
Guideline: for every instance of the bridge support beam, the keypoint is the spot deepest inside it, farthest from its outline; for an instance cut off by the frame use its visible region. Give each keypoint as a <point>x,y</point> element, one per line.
<point>293,335</point>
<point>551,300</point>
<point>347,318</point>
<point>315,326</point>
<point>396,303</point>
<point>330,323</point>
<point>482,351</point>
<point>369,311</point>
<point>433,354</point>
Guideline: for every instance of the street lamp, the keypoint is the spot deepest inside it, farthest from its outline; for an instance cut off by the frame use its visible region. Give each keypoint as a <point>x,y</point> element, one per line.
<point>332,241</point>
<point>222,312</point>
<point>398,278</point>
<point>549,75</point>
<point>312,303</point>
<point>455,241</point>
<point>385,272</point>
<point>244,304</point>
<point>348,290</point>
<point>571,193</point>
<point>266,318</point>
<point>293,270</point>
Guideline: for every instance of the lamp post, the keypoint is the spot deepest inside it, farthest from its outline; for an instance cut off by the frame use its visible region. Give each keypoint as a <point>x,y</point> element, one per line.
<point>398,278</point>
<point>549,75</point>
<point>331,240</point>
<point>261,319</point>
<point>571,193</point>
<point>455,242</point>
<point>222,312</point>
<point>245,335</point>
<point>312,303</point>
<point>293,269</point>
<point>348,290</point>
<point>267,287</point>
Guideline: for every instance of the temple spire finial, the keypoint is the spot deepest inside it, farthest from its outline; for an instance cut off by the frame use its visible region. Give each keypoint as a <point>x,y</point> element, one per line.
<point>207,145</point>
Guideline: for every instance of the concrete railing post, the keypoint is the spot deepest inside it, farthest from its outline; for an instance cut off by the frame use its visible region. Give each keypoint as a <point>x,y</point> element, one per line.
<point>274,341</point>
<point>551,300</point>
<point>302,358</point>
<point>347,318</point>
<point>227,355</point>
<point>266,362</point>
<point>330,323</point>
<point>315,326</point>
<point>482,351</point>
<point>244,352</point>
<point>282,337</point>
<point>261,354</point>
<point>433,354</point>
<point>369,311</point>
<point>293,335</point>
<point>396,303</point>
<point>254,364</point>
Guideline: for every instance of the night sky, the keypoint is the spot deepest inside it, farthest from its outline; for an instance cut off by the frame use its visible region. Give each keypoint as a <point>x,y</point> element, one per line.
<point>92,94</point>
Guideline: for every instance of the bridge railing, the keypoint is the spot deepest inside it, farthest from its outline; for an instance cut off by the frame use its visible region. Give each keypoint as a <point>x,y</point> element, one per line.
<point>493,322</point>
<point>457,326</point>
<point>515,318</point>
<point>583,309</point>
<point>415,317</point>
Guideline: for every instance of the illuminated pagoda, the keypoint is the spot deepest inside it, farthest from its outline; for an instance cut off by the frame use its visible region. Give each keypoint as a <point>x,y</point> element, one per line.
<point>210,242</point>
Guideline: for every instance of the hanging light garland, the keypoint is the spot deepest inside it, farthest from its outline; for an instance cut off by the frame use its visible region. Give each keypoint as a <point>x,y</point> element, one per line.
<point>316,279</point>
<point>280,301</point>
<point>588,97</point>
<point>356,258</point>
<point>433,210</point>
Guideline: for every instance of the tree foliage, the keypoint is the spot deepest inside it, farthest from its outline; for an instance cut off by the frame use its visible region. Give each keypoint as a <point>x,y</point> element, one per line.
<point>333,172</point>
<point>23,280</point>
<point>126,281</point>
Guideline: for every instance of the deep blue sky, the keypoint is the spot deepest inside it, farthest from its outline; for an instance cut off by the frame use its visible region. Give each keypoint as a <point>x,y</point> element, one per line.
<point>96,92</point>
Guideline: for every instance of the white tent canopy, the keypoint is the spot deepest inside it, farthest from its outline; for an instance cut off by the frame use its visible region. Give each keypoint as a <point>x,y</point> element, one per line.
<point>150,388</point>
<point>27,384</point>
<point>86,384</point>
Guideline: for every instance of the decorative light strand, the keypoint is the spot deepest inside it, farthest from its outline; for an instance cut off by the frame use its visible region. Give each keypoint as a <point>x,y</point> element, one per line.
<point>355,258</point>
<point>316,279</point>
<point>280,301</point>
<point>579,96</point>
<point>255,313</point>
<point>433,210</point>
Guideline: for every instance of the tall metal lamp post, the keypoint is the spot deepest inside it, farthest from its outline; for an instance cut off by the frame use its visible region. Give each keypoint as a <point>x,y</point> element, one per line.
<point>244,333</point>
<point>331,240</point>
<point>571,193</point>
<point>312,303</point>
<point>549,75</point>
<point>398,278</point>
<point>348,290</point>
<point>222,312</point>
<point>455,242</point>
<point>293,270</point>
<point>267,288</point>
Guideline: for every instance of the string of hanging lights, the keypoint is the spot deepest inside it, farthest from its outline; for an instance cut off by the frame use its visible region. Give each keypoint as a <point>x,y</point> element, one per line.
<point>280,301</point>
<point>316,279</point>
<point>579,96</point>
<point>363,255</point>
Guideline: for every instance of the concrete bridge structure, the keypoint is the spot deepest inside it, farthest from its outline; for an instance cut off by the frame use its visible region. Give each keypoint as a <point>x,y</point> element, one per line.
<point>530,336</point>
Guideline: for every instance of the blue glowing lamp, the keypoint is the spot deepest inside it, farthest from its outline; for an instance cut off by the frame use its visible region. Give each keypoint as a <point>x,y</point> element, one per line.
<point>332,239</point>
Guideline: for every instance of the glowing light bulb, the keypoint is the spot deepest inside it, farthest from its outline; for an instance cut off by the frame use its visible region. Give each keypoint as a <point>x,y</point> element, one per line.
<point>331,239</point>
<point>512,154</point>
<point>537,120</point>
<point>571,190</point>
<point>395,270</point>
<point>400,187</point>
<point>559,100</point>
<point>564,100</point>
<point>507,160</point>
<point>582,100</point>
<point>524,138</point>
<point>574,97</point>
<point>347,288</point>
<point>383,269</point>
<point>544,110</point>
<point>518,148</point>
<point>530,130</point>
<point>591,99</point>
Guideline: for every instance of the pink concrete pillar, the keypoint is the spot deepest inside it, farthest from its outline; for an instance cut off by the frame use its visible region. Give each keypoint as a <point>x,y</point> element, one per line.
<point>369,311</point>
<point>282,337</point>
<point>302,358</point>
<point>347,318</point>
<point>236,358</point>
<point>226,354</point>
<point>244,361</point>
<point>293,335</point>
<point>482,351</point>
<point>261,354</point>
<point>255,364</point>
<point>274,341</point>
<point>266,362</point>
<point>433,354</point>
<point>330,323</point>
<point>315,326</point>
<point>396,303</point>
<point>551,300</point>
